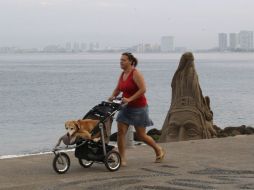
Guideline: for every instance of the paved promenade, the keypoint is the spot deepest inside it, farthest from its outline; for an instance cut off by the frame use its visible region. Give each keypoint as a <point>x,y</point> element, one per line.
<point>225,163</point>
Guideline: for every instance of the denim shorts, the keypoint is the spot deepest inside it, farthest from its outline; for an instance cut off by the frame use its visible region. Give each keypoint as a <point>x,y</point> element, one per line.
<point>138,117</point>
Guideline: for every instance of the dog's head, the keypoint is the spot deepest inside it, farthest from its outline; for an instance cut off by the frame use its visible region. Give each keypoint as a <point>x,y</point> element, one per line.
<point>72,127</point>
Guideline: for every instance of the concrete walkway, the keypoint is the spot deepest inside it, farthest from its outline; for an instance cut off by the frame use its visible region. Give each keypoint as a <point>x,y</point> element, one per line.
<point>225,163</point>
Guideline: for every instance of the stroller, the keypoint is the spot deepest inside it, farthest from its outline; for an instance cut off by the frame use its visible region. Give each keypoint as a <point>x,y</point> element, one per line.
<point>87,151</point>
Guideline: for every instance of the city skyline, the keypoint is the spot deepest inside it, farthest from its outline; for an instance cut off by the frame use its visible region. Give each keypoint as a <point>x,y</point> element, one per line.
<point>234,42</point>
<point>241,41</point>
<point>121,23</point>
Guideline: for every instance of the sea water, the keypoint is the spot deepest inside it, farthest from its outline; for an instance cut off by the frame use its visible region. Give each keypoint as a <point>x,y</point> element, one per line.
<point>39,92</point>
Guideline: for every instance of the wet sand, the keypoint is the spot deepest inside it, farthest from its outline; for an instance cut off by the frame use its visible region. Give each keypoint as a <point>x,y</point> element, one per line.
<point>224,163</point>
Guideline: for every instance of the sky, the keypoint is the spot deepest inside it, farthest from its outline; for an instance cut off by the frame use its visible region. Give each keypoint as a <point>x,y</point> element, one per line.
<point>119,23</point>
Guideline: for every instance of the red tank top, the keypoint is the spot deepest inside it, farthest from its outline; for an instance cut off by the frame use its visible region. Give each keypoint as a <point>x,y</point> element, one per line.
<point>129,87</point>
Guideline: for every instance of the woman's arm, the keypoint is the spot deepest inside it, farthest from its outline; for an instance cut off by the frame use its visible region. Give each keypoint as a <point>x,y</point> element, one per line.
<point>139,80</point>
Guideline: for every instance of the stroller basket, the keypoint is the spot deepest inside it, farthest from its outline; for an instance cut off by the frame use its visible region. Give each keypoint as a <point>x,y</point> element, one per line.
<point>90,150</point>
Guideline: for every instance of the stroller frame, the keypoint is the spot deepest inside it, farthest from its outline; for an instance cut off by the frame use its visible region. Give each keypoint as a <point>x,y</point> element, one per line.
<point>88,151</point>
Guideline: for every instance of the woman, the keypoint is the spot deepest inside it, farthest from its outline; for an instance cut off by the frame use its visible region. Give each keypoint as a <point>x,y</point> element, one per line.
<point>131,83</point>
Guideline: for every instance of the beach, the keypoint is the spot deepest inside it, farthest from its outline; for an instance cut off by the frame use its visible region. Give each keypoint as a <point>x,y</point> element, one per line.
<point>188,90</point>
<point>219,163</point>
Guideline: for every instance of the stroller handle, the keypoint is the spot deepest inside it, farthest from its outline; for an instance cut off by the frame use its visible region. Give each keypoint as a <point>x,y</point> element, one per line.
<point>119,100</point>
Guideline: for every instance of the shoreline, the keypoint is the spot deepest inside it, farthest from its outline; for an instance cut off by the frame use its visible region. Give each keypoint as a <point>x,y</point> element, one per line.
<point>11,156</point>
<point>199,56</point>
<point>2,157</point>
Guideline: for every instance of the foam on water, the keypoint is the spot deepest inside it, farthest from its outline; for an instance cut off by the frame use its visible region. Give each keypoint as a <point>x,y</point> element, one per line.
<point>23,155</point>
<point>31,154</point>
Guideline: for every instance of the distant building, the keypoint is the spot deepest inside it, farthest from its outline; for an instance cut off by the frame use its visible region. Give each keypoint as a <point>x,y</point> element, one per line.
<point>140,48</point>
<point>246,40</point>
<point>148,48</point>
<point>54,48</point>
<point>94,46</point>
<point>233,41</point>
<point>76,47</point>
<point>156,48</point>
<point>91,46</point>
<point>167,44</point>
<point>97,46</point>
<point>180,49</point>
<point>223,41</point>
<point>68,46</point>
<point>83,46</point>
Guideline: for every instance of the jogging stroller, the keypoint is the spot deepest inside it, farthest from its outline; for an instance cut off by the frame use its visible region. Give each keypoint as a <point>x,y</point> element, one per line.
<point>87,151</point>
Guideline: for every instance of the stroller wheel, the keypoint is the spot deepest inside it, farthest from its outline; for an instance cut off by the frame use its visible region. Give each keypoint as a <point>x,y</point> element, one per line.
<point>112,161</point>
<point>85,163</point>
<point>61,163</point>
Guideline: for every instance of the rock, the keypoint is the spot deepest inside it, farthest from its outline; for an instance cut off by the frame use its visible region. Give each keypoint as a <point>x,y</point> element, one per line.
<point>233,131</point>
<point>226,132</point>
<point>154,131</point>
<point>249,130</point>
<point>155,134</point>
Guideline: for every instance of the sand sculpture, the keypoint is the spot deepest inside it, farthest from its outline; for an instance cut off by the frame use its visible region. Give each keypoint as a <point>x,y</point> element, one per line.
<point>189,116</point>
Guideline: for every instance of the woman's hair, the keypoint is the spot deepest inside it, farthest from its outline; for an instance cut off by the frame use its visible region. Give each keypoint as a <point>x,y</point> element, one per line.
<point>133,60</point>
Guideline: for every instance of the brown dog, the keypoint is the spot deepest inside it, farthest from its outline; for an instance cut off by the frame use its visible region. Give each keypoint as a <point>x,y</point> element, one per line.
<point>80,128</point>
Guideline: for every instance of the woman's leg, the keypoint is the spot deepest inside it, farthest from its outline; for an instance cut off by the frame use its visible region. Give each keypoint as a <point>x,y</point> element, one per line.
<point>122,130</point>
<point>141,132</point>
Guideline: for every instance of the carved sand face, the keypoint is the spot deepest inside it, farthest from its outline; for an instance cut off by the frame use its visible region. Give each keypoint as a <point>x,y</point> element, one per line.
<point>190,116</point>
<point>184,125</point>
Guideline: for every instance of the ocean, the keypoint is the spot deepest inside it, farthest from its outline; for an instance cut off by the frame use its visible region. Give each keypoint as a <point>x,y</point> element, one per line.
<point>39,92</point>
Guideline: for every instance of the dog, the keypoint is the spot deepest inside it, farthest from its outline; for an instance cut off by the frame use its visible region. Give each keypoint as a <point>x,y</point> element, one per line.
<point>79,128</point>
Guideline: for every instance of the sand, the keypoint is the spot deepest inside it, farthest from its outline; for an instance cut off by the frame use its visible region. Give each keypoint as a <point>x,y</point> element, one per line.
<point>223,163</point>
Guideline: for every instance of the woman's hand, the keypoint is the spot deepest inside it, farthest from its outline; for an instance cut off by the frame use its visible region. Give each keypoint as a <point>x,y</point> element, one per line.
<point>126,100</point>
<point>111,98</point>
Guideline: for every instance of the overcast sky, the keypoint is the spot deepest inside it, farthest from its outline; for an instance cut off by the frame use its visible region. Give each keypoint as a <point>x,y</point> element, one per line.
<point>193,23</point>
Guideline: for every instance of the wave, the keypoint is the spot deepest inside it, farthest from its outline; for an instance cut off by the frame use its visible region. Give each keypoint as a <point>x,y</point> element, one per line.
<point>29,154</point>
